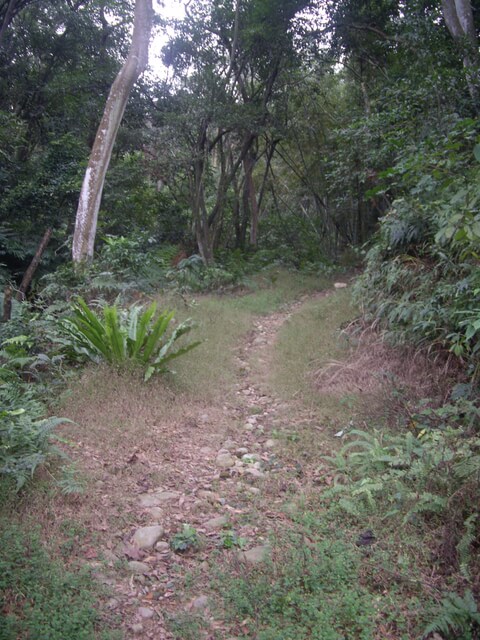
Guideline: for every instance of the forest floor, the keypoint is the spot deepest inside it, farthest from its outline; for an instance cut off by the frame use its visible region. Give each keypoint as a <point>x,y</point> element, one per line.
<point>201,514</point>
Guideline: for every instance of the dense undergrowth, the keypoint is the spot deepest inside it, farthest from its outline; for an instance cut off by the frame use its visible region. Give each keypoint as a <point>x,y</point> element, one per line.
<point>422,278</point>
<point>421,287</point>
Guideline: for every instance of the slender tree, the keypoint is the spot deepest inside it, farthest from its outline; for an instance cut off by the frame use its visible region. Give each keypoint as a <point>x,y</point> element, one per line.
<point>458,16</point>
<point>92,188</point>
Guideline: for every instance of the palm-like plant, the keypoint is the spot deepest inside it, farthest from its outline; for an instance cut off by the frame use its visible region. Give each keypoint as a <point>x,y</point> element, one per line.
<point>122,336</point>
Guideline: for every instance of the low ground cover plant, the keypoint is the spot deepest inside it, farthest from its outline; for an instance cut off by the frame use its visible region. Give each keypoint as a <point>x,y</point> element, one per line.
<point>125,336</point>
<point>39,597</point>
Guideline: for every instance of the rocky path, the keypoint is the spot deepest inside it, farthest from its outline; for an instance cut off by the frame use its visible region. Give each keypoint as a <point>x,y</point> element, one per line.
<point>223,477</point>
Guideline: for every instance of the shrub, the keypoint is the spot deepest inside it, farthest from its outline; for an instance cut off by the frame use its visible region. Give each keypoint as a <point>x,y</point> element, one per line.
<point>456,617</point>
<point>120,337</point>
<point>428,475</point>
<point>421,281</point>
<point>191,274</point>
<point>25,436</point>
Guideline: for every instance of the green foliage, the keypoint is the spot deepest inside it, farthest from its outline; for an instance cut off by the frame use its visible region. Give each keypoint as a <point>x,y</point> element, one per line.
<point>456,617</point>
<point>25,435</point>
<point>191,274</point>
<point>424,476</point>
<point>121,337</point>
<point>421,281</point>
<point>309,592</point>
<point>229,540</point>
<point>185,540</point>
<point>39,597</point>
<point>123,255</point>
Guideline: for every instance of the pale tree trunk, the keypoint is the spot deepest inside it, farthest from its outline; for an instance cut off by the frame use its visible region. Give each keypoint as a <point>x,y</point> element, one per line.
<point>458,16</point>
<point>251,197</point>
<point>92,188</point>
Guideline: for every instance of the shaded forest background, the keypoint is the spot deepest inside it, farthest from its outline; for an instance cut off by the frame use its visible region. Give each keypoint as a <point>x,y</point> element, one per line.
<point>289,128</point>
<point>310,134</point>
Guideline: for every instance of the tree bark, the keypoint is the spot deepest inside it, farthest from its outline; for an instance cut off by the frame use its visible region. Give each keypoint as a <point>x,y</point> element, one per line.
<point>251,197</point>
<point>7,304</point>
<point>9,13</point>
<point>92,188</point>
<point>27,278</point>
<point>458,16</point>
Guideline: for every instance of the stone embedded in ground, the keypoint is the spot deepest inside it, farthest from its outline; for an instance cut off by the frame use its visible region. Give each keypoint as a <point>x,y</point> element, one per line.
<point>340,285</point>
<point>270,444</point>
<point>109,556</point>
<point>138,567</point>
<point>200,603</point>
<point>216,523</point>
<point>250,457</point>
<point>146,537</point>
<point>162,547</point>
<point>254,473</point>
<point>224,461</point>
<point>255,555</point>
<point>254,490</point>
<point>146,612</point>
<point>158,498</point>
<point>137,628</point>
<point>207,451</point>
<point>156,513</point>
<point>241,451</point>
<point>103,578</point>
<point>229,444</point>
<point>210,496</point>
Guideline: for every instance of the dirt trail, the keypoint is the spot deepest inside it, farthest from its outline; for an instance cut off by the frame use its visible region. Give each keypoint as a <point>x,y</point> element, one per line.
<point>221,472</point>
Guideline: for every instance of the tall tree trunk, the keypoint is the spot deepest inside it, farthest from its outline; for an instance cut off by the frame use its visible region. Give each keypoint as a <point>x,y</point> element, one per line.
<point>458,16</point>
<point>29,273</point>
<point>7,303</point>
<point>251,197</point>
<point>9,13</point>
<point>92,188</point>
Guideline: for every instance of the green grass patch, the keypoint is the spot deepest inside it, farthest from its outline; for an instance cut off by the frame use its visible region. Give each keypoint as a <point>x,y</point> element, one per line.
<point>209,369</point>
<point>304,592</point>
<point>222,320</point>
<point>277,287</point>
<point>306,342</point>
<point>40,598</point>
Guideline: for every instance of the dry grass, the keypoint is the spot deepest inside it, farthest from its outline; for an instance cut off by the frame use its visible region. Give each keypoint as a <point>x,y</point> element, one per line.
<point>127,436</point>
<point>372,367</point>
